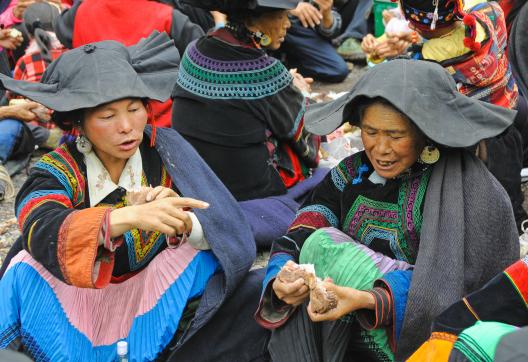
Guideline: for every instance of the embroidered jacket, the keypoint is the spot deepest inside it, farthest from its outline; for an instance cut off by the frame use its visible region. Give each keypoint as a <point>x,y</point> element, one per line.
<point>62,232</point>
<point>387,218</point>
<point>256,144</point>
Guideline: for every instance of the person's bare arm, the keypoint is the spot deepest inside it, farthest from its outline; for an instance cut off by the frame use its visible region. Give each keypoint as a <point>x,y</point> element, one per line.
<point>21,112</point>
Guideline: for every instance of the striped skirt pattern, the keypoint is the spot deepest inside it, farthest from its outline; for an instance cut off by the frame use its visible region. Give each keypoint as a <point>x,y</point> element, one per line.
<point>59,322</point>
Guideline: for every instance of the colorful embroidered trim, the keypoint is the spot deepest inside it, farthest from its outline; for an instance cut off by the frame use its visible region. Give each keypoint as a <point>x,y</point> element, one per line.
<point>346,171</point>
<point>517,274</point>
<point>38,198</point>
<point>399,224</point>
<point>61,164</point>
<point>315,217</point>
<point>215,79</point>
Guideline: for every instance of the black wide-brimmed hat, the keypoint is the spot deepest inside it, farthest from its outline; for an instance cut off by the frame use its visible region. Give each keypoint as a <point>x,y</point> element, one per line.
<point>426,94</point>
<point>104,72</point>
<point>237,6</point>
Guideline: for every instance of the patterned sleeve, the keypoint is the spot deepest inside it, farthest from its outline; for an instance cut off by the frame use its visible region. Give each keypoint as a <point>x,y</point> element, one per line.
<point>503,299</point>
<point>63,238</point>
<point>322,209</point>
<point>334,29</point>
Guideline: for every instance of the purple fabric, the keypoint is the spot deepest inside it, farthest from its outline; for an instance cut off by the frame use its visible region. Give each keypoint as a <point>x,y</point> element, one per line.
<point>383,263</point>
<point>270,217</point>
<point>227,65</point>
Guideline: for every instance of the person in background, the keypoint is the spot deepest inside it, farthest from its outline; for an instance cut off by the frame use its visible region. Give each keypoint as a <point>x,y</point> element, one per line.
<point>44,47</point>
<point>240,108</point>
<point>17,140</point>
<point>308,43</point>
<point>126,21</point>
<point>355,15</point>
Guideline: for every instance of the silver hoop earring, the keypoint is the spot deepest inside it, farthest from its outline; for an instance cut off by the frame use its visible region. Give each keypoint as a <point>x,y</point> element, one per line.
<point>83,144</point>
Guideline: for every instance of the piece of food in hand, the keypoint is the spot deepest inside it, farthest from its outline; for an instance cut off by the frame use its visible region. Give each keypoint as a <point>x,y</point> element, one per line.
<point>17,101</point>
<point>14,33</point>
<point>291,272</point>
<point>321,299</point>
<point>138,196</point>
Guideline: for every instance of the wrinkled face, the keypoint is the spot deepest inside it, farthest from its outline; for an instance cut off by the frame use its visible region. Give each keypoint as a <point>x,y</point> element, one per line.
<point>275,25</point>
<point>391,143</point>
<point>116,129</point>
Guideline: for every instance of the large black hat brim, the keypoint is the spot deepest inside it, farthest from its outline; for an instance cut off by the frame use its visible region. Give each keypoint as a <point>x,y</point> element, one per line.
<point>231,6</point>
<point>104,72</point>
<point>426,94</point>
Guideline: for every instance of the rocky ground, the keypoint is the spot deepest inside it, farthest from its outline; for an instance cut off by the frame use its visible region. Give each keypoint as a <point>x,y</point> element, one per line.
<point>9,229</point>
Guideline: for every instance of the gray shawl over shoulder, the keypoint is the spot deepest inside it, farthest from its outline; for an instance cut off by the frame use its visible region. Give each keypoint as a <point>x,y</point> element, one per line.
<point>468,236</point>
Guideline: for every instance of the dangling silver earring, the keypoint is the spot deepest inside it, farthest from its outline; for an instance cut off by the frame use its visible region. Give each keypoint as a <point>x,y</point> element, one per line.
<point>429,155</point>
<point>84,145</point>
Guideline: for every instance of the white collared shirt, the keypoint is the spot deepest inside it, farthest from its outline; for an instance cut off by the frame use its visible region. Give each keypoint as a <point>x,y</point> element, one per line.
<point>100,185</point>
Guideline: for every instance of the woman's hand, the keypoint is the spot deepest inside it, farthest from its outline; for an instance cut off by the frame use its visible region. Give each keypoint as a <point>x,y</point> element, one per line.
<point>300,82</point>
<point>8,41</point>
<point>291,293</point>
<point>369,43</point>
<point>164,215</point>
<point>160,192</point>
<point>348,301</point>
<point>391,48</point>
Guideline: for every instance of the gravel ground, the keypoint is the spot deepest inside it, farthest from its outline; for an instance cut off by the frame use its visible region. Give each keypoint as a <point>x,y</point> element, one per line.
<point>8,227</point>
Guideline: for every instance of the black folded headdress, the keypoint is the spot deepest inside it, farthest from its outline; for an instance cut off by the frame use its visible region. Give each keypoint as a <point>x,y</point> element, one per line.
<point>104,72</point>
<point>237,6</point>
<point>426,94</point>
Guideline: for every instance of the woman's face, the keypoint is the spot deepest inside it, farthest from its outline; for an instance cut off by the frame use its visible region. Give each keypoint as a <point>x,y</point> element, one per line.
<point>273,24</point>
<point>116,129</point>
<point>391,143</point>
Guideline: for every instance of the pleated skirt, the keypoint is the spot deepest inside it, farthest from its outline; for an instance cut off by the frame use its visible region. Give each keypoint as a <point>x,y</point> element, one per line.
<point>59,322</point>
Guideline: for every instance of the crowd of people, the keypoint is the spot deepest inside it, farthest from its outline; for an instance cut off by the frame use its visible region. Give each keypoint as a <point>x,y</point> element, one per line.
<point>182,136</point>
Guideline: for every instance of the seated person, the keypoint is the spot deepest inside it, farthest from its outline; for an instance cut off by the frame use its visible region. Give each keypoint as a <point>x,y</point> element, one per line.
<point>239,107</point>
<point>401,229</point>
<point>126,21</point>
<point>308,44</point>
<point>103,257</point>
<point>469,39</point>
<point>472,328</point>
<point>17,139</point>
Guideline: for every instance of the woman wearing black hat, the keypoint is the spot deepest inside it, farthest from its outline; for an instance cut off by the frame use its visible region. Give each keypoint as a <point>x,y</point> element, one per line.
<point>403,229</point>
<point>238,106</point>
<point>109,249</point>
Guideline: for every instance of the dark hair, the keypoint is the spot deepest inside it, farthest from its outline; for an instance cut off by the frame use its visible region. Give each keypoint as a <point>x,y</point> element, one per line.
<point>72,119</point>
<point>236,22</point>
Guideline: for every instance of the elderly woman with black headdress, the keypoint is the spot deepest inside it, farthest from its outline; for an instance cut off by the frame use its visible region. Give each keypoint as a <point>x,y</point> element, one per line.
<point>238,106</point>
<point>402,229</point>
<point>126,234</point>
